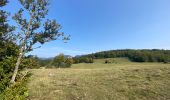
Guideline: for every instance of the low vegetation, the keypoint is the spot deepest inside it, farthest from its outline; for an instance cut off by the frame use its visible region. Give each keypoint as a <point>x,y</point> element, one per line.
<point>61,61</point>
<point>18,91</point>
<point>123,80</point>
<point>83,59</point>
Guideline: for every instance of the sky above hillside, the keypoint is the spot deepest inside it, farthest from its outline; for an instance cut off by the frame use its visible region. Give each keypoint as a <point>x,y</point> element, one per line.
<point>98,25</point>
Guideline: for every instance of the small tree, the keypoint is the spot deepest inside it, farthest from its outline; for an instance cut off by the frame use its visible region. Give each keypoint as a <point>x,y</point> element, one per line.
<point>91,60</point>
<point>58,61</point>
<point>68,62</point>
<point>61,61</point>
<point>30,28</point>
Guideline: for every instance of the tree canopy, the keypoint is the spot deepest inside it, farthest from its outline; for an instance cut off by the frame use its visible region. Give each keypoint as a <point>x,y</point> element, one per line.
<point>144,55</point>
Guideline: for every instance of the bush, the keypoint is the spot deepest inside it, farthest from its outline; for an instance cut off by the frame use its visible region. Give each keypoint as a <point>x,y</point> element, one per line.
<point>28,62</point>
<point>83,60</point>
<point>6,71</point>
<point>18,91</point>
<point>68,62</point>
<point>107,61</point>
<point>62,62</point>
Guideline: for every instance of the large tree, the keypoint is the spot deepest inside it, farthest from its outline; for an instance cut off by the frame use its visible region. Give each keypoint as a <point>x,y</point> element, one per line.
<point>8,48</point>
<point>32,29</point>
<point>6,36</point>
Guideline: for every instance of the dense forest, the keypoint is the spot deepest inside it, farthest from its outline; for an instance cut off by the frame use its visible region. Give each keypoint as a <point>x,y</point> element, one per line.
<point>143,55</point>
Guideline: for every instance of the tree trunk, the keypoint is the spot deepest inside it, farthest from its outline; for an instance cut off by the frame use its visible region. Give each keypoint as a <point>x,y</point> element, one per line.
<point>21,52</point>
<point>17,65</point>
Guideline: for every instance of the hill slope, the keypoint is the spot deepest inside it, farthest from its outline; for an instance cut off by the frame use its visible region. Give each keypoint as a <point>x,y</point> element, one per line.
<point>143,55</point>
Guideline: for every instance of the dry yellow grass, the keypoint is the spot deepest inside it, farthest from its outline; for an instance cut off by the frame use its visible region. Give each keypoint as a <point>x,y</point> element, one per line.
<point>130,81</point>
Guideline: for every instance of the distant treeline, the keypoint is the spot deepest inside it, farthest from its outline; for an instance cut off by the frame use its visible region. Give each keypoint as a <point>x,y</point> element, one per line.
<point>82,59</point>
<point>62,61</point>
<point>144,55</point>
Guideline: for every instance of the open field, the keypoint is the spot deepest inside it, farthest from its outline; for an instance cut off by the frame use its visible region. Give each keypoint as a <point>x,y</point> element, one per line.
<point>98,81</point>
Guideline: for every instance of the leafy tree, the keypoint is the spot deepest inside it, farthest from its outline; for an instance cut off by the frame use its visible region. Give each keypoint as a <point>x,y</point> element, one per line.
<point>30,28</point>
<point>61,61</point>
<point>7,45</point>
<point>8,49</point>
<point>30,62</point>
<point>8,57</point>
<point>58,61</point>
<point>68,62</point>
<point>91,60</point>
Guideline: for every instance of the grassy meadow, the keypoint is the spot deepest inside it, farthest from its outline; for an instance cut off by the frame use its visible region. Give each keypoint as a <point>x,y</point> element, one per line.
<point>121,80</point>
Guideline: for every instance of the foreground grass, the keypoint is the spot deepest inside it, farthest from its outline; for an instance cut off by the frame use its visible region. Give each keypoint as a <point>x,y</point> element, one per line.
<point>130,81</point>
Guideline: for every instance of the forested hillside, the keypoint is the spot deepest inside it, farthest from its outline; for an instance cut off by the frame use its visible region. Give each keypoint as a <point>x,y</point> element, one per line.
<point>144,55</point>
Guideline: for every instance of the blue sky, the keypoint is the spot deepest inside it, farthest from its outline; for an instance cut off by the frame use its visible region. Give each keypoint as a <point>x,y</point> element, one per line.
<point>97,25</point>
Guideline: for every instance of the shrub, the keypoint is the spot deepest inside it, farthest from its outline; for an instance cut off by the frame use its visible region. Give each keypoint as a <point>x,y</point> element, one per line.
<point>62,62</point>
<point>68,62</point>
<point>18,91</point>
<point>83,60</point>
<point>6,70</point>
<point>29,63</point>
<point>107,61</point>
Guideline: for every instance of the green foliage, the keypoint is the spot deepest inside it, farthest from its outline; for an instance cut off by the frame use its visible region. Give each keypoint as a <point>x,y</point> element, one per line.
<point>18,91</point>
<point>3,3</point>
<point>30,62</point>
<point>61,61</point>
<point>58,61</point>
<point>153,55</point>
<point>8,49</point>
<point>8,56</point>
<point>37,10</point>
<point>7,46</point>
<point>7,67</point>
<point>33,29</point>
<point>44,62</point>
<point>83,59</point>
<point>68,62</point>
